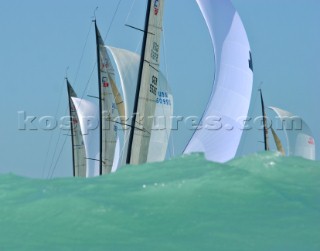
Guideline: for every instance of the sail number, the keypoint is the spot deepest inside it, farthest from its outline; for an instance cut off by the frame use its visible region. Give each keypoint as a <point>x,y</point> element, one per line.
<point>155,51</point>
<point>153,85</point>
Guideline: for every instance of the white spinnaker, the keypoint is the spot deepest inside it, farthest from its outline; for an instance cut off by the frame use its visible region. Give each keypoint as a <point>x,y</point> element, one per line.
<point>300,141</point>
<point>222,122</point>
<point>78,148</point>
<point>127,63</point>
<point>88,113</point>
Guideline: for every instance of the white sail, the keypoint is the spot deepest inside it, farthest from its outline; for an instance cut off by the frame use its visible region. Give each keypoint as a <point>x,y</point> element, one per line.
<point>147,87</point>
<point>88,113</point>
<point>300,141</point>
<point>220,132</point>
<point>162,123</point>
<point>127,63</point>
<point>108,107</point>
<point>116,159</point>
<point>78,148</point>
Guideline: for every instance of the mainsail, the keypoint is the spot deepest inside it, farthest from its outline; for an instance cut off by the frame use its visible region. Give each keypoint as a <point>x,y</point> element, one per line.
<point>127,63</point>
<point>300,141</point>
<point>88,114</point>
<point>220,131</point>
<point>109,102</point>
<point>78,148</point>
<point>147,85</point>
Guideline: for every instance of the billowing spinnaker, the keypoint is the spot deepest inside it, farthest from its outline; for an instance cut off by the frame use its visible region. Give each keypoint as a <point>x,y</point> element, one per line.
<point>108,94</point>
<point>147,86</point>
<point>127,65</point>
<point>78,148</point>
<point>300,141</point>
<point>88,117</point>
<point>222,122</point>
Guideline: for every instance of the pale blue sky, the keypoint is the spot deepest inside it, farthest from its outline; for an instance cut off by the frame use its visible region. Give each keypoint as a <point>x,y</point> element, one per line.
<point>40,39</point>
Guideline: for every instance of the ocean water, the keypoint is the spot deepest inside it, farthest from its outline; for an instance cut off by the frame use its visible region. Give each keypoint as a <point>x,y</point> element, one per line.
<point>260,202</point>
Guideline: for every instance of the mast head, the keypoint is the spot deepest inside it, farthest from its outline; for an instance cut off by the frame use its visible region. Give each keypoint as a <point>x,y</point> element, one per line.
<point>94,15</point>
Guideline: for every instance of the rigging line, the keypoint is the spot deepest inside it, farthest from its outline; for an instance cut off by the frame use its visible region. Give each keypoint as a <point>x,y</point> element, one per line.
<point>112,20</point>
<point>58,158</point>
<point>130,11</point>
<point>87,84</point>
<point>82,55</point>
<point>51,136</point>
<point>92,71</point>
<point>53,156</point>
<point>59,103</point>
<point>94,12</point>
<point>56,147</point>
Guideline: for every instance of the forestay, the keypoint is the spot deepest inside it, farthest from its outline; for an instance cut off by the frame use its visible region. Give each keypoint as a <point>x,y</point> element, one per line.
<point>222,122</point>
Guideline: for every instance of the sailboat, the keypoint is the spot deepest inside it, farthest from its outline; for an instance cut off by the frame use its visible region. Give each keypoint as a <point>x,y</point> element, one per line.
<point>110,106</point>
<point>151,95</point>
<point>219,133</point>
<point>266,129</point>
<point>100,140</point>
<point>147,138</point>
<point>86,116</point>
<point>78,147</point>
<point>299,139</point>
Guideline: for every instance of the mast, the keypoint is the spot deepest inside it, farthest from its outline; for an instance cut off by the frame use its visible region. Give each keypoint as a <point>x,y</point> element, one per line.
<point>71,127</point>
<point>135,107</point>
<point>265,128</point>
<point>100,100</point>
